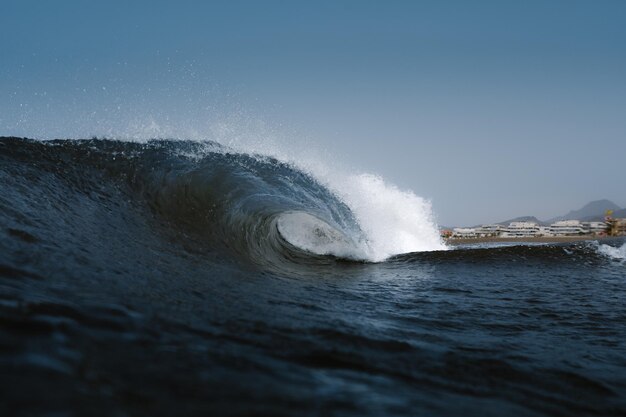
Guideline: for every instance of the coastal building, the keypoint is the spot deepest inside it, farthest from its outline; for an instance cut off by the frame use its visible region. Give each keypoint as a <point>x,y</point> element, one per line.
<point>490,230</point>
<point>463,232</point>
<point>544,231</point>
<point>621,227</point>
<point>567,228</point>
<point>521,229</point>
<point>612,227</point>
<point>595,227</point>
<point>617,227</point>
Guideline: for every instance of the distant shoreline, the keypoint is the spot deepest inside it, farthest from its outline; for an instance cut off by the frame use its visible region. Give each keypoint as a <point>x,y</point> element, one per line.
<point>543,239</point>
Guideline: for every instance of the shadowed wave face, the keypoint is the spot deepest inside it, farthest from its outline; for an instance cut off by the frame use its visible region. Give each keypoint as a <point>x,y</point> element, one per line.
<point>175,277</point>
<point>255,209</point>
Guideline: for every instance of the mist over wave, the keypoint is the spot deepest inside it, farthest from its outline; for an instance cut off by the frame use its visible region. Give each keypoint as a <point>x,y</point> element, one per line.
<point>393,221</point>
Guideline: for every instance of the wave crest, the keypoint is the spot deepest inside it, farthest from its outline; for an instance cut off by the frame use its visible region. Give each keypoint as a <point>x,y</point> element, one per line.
<point>257,207</point>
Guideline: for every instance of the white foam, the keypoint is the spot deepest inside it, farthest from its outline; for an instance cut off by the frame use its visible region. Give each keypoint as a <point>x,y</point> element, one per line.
<point>612,251</point>
<point>394,221</point>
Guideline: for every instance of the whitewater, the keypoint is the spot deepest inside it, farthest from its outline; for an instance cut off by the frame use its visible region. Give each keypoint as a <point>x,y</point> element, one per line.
<point>391,221</point>
<point>613,252</point>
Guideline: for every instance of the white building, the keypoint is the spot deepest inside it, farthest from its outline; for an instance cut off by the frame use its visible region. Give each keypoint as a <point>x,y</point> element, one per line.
<point>567,228</point>
<point>595,227</point>
<point>544,231</point>
<point>490,230</point>
<point>521,229</point>
<point>463,232</point>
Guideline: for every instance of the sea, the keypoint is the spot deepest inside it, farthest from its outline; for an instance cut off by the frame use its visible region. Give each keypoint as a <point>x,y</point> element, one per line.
<point>175,277</point>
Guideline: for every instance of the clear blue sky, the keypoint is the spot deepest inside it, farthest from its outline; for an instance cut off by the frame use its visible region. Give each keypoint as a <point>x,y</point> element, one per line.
<point>493,109</point>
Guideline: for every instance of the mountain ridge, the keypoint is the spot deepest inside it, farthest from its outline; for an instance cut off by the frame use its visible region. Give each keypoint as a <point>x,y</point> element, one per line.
<point>592,211</point>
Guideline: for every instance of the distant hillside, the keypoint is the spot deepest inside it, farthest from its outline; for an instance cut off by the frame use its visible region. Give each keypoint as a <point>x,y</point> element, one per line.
<point>523,219</point>
<point>598,218</point>
<point>590,211</point>
<point>620,213</point>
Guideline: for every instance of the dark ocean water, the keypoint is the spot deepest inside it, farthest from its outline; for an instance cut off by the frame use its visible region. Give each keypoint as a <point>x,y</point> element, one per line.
<point>137,280</point>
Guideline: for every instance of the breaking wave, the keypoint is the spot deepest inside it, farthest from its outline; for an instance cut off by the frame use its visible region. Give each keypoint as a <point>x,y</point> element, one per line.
<point>256,207</point>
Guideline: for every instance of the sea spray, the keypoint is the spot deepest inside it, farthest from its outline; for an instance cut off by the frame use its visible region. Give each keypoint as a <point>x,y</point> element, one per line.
<point>618,253</point>
<point>393,221</point>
